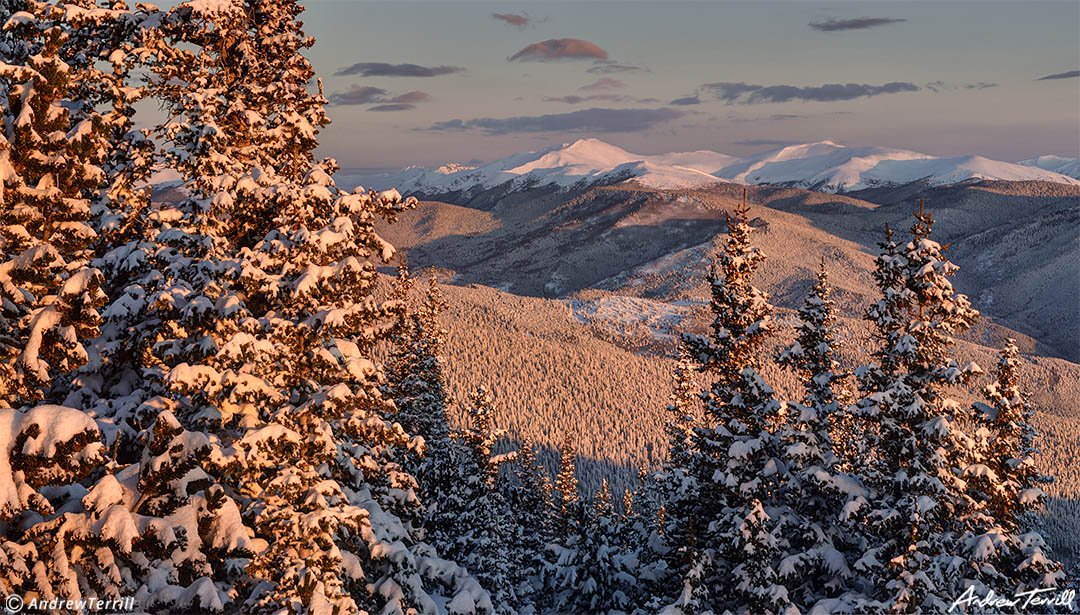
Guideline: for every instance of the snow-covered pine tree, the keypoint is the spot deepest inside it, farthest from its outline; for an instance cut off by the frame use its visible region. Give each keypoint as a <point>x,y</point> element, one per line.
<point>417,384</point>
<point>914,559</point>
<point>1005,480</point>
<point>604,583</point>
<point>678,486</point>
<point>569,513</point>
<point>1010,452</point>
<point>471,522</point>
<point>53,144</point>
<point>824,501</point>
<point>738,465</point>
<point>234,79</point>
<point>260,338</point>
<point>567,498</point>
<point>145,534</point>
<point>529,496</point>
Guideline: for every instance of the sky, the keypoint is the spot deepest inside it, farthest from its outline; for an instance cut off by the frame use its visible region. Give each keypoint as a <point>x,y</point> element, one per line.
<point>424,83</point>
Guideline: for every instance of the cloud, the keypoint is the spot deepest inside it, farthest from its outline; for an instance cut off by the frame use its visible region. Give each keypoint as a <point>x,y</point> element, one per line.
<point>756,142</point>
<point>358,95</point>
<point>1066,75</point>
<point>938,86</point>
<point>607,67</point>
<point>411,97</point>
<point>786,116</point>
<point>752,94</point>
<point>576,100</point>
<point>686,100</point>
<point>861,23</point>
<point>518,21</point>
<point>586,120</point>
<point>393,107</point>
<point>364,95</point>
<point>559,49</point>
<point>382,69</point>
<point>728,91</point>
<point>603,84</point>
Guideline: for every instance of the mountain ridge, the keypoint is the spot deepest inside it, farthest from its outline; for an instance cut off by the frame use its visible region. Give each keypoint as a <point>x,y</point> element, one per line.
<point>824,166</point>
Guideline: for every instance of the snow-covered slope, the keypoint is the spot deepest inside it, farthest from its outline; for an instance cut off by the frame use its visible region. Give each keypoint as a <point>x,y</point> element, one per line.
<point>582,163</point>
<point>1057,164</point>
<point>825,166</point>
<point>830,167</point>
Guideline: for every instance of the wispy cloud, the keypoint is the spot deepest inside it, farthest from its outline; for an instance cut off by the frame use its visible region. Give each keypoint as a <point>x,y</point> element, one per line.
<point>518,21</point>
<point>559,49</point>
<point>860,23</point>
<point>365,95</point>
<point>586,120</point>
<point>1066,75</point>
<point>603,84</point>
<point>411,97</point>
<point>393,107</point>
<point>382,69</point>
<point>686,100</point>
<point>358,95</point>
<point>745,93</point>
<point>941,86</point>
<point>573,99</point>
<point>607,67</point>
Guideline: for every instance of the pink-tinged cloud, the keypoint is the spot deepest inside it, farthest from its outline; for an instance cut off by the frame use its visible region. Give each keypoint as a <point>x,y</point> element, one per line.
<point>364,95</point>
<point>604,84</point>
<point>411,97</point>
<point>519,21</point>
<point>393,107</point>
<point>559,49</point>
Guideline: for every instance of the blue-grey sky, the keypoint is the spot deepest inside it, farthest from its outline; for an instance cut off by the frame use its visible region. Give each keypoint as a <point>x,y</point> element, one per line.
<point>432,82</point>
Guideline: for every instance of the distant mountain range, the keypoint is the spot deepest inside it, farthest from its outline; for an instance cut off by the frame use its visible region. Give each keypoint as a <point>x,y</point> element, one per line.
<point>825,167</point>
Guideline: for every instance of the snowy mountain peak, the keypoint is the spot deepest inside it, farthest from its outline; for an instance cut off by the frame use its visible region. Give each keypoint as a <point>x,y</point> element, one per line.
<point>823,165</point>
<point>1057,164</point>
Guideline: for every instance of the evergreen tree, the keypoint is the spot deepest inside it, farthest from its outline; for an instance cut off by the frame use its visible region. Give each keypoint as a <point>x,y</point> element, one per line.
<point>569,513</point>
<point>53,144</point>
<point>823,500</point>
<point>738,465</point>
<point>1011,442</point>
<point>471,521</point>
<point>1005,480</point>
<point>678,481</point>
<point>606,578</point>
<point>261,335</point>
<point>920,445</point>
<point>530,499</point>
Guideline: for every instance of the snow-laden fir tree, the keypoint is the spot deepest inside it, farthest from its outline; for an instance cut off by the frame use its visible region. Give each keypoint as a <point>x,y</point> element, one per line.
<point>915,560</point>
<point>606,580</point>
<point>234,79</point>
<point>825,502</point>
<point>414,368</point>
<point>676,546</point>
<point>1010,442</point>
<point>738,462</point>
<point>569,514</point>
<point>259,339</point>
<point>1012,557</point>
<point>471,522</point>
<point>529,496</point>
<point>53,144</point>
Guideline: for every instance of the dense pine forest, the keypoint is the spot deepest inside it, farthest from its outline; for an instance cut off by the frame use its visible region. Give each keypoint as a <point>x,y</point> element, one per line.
<point>231,403</point>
